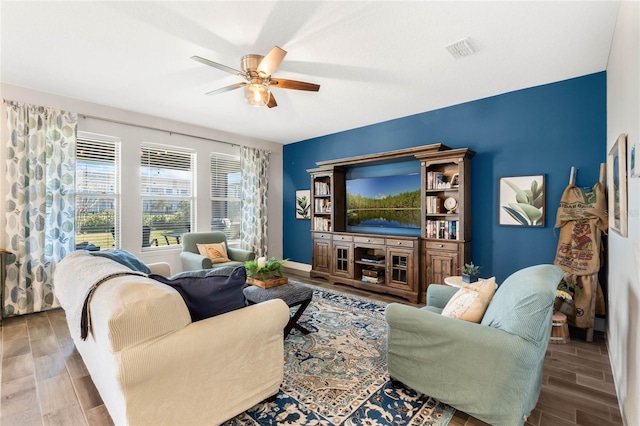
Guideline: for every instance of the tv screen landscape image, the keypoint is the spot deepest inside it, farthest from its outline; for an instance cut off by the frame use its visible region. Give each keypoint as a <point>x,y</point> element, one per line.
<point>384,201</point>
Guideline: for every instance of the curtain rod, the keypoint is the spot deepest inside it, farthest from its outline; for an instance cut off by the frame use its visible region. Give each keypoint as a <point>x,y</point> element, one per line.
<point>171,132</point>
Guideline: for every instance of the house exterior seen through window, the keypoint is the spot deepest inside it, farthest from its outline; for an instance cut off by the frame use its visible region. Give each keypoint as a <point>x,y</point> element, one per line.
<point>226,196</point>
<point>97,212</point>
<point>166,187</point>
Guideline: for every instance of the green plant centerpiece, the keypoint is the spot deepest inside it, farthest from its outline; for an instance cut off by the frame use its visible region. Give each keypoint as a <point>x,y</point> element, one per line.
<point>263,269</point>
<point>470,272</point>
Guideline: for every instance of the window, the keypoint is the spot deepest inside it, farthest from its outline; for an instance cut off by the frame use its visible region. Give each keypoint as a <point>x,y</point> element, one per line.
<point>97,191</point>
<point>226,196</point>
<point>166,186</point>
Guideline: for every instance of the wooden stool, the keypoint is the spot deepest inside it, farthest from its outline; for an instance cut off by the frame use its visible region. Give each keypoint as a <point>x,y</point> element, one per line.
<point>559,329</point>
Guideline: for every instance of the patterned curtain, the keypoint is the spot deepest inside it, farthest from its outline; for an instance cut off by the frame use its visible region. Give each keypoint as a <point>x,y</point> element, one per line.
<point>254,164</point>
<point>39,203</point>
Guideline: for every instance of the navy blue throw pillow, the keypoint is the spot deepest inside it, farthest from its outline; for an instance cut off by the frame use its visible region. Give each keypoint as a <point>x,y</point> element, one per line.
<point>210,294</point>
<point>124,258</point>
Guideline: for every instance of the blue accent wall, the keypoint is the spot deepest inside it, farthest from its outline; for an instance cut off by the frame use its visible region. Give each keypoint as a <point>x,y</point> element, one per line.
<point>541,130</point>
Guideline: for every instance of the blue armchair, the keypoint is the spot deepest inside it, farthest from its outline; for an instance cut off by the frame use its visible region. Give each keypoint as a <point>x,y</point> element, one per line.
<point>491,370</point>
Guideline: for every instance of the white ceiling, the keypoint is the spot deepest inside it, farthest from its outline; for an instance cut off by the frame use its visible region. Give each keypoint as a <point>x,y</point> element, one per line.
<point>375,61</point>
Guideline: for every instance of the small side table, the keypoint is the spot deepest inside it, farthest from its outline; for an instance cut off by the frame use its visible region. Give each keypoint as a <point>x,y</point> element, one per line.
<point>559,329</point>
<point>454,281</point>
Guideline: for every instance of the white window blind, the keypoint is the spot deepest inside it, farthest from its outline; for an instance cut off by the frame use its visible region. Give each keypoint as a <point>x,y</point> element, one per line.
<point>226,196</point>
<point>97,192</point>
<point>166,186</point>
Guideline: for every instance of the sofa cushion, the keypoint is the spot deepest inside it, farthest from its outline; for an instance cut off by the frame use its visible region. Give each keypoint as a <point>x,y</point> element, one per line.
<point>125,258</point>
<point>207,293</point>
<point>217,252</point>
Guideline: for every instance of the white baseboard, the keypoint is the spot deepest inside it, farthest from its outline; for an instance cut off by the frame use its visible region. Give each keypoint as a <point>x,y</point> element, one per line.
<point>299,268</point>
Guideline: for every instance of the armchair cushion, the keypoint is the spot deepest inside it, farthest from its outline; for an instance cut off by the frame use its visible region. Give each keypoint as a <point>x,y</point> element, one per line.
<point>217,252</point>
<point>467,304</point>
<point>471,301</point>
<point>522,300</point>
<point>208,293</point>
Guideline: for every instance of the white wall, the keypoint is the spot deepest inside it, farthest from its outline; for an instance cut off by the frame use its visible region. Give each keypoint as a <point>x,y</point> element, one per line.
<point>623,115</point>
<point>132,137</point>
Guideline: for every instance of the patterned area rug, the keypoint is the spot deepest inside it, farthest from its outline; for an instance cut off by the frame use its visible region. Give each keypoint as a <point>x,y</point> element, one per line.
<point>337,374</point>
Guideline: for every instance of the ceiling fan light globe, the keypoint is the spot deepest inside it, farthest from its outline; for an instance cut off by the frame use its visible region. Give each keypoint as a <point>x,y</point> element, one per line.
<point>257,94</point>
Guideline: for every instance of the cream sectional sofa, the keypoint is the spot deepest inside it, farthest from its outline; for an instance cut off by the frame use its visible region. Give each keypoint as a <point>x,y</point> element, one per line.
<point>151,364</point>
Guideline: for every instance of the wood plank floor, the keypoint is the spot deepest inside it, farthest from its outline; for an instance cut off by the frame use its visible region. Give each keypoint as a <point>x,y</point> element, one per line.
<point>45,382</point>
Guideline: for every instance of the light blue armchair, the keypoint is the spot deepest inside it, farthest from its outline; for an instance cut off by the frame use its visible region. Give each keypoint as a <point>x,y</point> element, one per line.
<point>491,370</point>
<point>192,260</point>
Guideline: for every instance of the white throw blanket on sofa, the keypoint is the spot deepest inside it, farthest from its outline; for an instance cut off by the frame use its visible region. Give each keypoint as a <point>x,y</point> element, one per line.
<point>99,268</point>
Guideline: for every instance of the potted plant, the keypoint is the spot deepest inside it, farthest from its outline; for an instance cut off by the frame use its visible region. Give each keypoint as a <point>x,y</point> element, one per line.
<point>265,273</point>
<point>470,273</point>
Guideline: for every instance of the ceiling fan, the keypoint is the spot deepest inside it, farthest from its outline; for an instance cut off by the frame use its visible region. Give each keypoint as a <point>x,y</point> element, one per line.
<point>257,70</point>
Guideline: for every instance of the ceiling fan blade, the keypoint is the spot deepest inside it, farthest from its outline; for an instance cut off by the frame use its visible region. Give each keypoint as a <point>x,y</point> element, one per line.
<point>272,101</point>
<point>217,65</point>
<point>269,63</point>
<point>293,84</point>
<point>227,88</point>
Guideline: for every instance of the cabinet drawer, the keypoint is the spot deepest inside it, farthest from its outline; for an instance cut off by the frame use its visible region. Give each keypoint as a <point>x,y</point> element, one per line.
<point>399,243</point>
<point>436,245</point>
<point>342,238</point>
<point>322,236</point>
<point>369,240</point>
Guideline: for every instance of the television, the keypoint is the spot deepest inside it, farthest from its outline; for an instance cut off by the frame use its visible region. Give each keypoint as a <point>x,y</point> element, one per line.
<point>384,201</point>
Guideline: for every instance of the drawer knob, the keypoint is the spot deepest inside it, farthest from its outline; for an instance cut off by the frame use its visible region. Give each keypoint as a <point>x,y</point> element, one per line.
<point>399,242</point>
<point>368,240</point>
<point>441,245</point>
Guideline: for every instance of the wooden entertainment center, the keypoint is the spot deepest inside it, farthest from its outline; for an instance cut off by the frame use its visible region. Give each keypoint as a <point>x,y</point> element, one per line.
<point>387,262</point>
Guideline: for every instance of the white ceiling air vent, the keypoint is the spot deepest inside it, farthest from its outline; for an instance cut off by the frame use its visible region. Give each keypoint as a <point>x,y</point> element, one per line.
<point>460,48</point>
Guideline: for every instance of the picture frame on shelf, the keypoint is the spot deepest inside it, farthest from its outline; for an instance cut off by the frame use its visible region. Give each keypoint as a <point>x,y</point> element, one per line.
<point>455,180</point>
<point>617,186</point>
<point>303,204</point>
<point>521,201</point>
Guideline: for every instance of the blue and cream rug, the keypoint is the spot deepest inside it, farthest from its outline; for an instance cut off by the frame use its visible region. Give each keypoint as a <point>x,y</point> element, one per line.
<point>337,374</point>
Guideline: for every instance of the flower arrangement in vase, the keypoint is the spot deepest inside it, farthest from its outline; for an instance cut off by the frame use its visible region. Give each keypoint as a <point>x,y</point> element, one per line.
<point>265,273</point>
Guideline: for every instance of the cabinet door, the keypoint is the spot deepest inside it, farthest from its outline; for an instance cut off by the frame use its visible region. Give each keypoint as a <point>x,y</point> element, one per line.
<point>322,255</point>
<point>400,269</point>
<point>342,261</point>
<point>441,264</point>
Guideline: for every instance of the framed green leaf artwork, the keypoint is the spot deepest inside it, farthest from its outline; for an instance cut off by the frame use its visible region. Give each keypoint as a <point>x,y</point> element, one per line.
<point>303,204</point>
<point>521,201</point>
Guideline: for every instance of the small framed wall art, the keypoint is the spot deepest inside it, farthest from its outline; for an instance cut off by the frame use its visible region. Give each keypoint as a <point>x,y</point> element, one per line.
<point>303,204</point>
<point>617,185</point>
<point>521,201</point>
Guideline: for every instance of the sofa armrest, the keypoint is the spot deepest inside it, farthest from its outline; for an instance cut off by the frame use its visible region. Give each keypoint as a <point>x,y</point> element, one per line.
<point>438,295</point>
<point>160,268</point>
<point>194,261</point>
<point>215,368</point>
<point>240,255</point>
